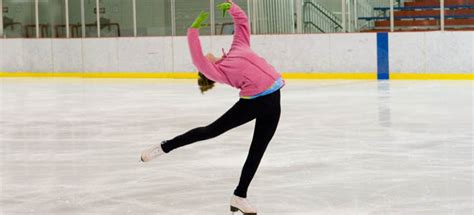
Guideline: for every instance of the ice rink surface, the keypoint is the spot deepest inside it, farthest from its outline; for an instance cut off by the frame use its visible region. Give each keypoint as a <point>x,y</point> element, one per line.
<point>71,146</point>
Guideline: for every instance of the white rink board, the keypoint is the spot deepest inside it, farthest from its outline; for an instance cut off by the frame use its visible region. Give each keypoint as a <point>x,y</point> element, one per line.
<point>12,55</point>
<point>100,55</point>
<point>415,52</point>
<point>67,55</point>
<point>432,52</point>
<point>37,55</point>
<point>146,54</point>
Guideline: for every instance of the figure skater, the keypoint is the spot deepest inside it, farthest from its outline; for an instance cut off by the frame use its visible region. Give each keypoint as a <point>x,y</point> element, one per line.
<point>259,85</point>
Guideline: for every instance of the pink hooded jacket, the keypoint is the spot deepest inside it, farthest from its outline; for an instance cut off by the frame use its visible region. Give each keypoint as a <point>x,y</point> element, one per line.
<point>241,67</point>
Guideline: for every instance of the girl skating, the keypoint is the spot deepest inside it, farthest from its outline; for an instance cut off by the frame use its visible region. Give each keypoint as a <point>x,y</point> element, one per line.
<point>259,85</point>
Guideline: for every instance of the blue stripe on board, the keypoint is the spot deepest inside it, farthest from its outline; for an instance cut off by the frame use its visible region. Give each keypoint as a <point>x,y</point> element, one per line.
<point>383,70</point>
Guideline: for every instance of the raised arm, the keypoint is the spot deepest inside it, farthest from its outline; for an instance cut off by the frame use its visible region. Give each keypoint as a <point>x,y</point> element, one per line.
<point>200,61</point>
<point>241,26</point>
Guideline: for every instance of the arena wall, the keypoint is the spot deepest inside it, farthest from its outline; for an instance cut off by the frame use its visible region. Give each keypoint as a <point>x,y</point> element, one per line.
<point>431,53</point>
<point>414,55</point>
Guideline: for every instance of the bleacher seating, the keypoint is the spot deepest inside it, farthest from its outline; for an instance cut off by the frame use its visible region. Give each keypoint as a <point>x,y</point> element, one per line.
<point>419,15</point>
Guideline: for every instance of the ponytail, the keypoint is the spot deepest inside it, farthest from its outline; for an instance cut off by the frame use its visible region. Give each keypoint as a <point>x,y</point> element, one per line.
<point>205,83</point>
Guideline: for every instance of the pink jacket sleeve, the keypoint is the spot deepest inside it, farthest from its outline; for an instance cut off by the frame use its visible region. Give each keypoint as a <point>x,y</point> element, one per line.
<point>206,67</point>
<point>241,26</point>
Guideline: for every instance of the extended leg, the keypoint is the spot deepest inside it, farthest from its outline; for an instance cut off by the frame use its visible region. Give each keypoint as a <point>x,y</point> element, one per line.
<point>239,114</point>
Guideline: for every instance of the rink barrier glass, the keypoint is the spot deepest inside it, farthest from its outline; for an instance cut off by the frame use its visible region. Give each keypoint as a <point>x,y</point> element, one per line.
<point>19,19</point>
<point>153,18</point>
<point>193,75</point>
<point>125,18</point>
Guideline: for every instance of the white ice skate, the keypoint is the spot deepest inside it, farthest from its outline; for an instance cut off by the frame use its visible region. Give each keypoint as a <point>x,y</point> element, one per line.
<point>241,204</point>
<point>152,153</point>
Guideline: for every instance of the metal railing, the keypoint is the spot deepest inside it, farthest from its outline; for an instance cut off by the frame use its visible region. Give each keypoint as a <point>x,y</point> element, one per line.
<point>273,16</point>
<point>316,19</point>
<point>365,8</point>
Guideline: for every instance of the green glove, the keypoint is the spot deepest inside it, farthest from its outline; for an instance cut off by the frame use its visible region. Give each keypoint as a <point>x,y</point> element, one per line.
<point>198,21</point>
<point>224,7</point>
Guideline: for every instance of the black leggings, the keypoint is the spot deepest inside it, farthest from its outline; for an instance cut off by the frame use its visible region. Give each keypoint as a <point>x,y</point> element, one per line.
<point>266,111</point>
